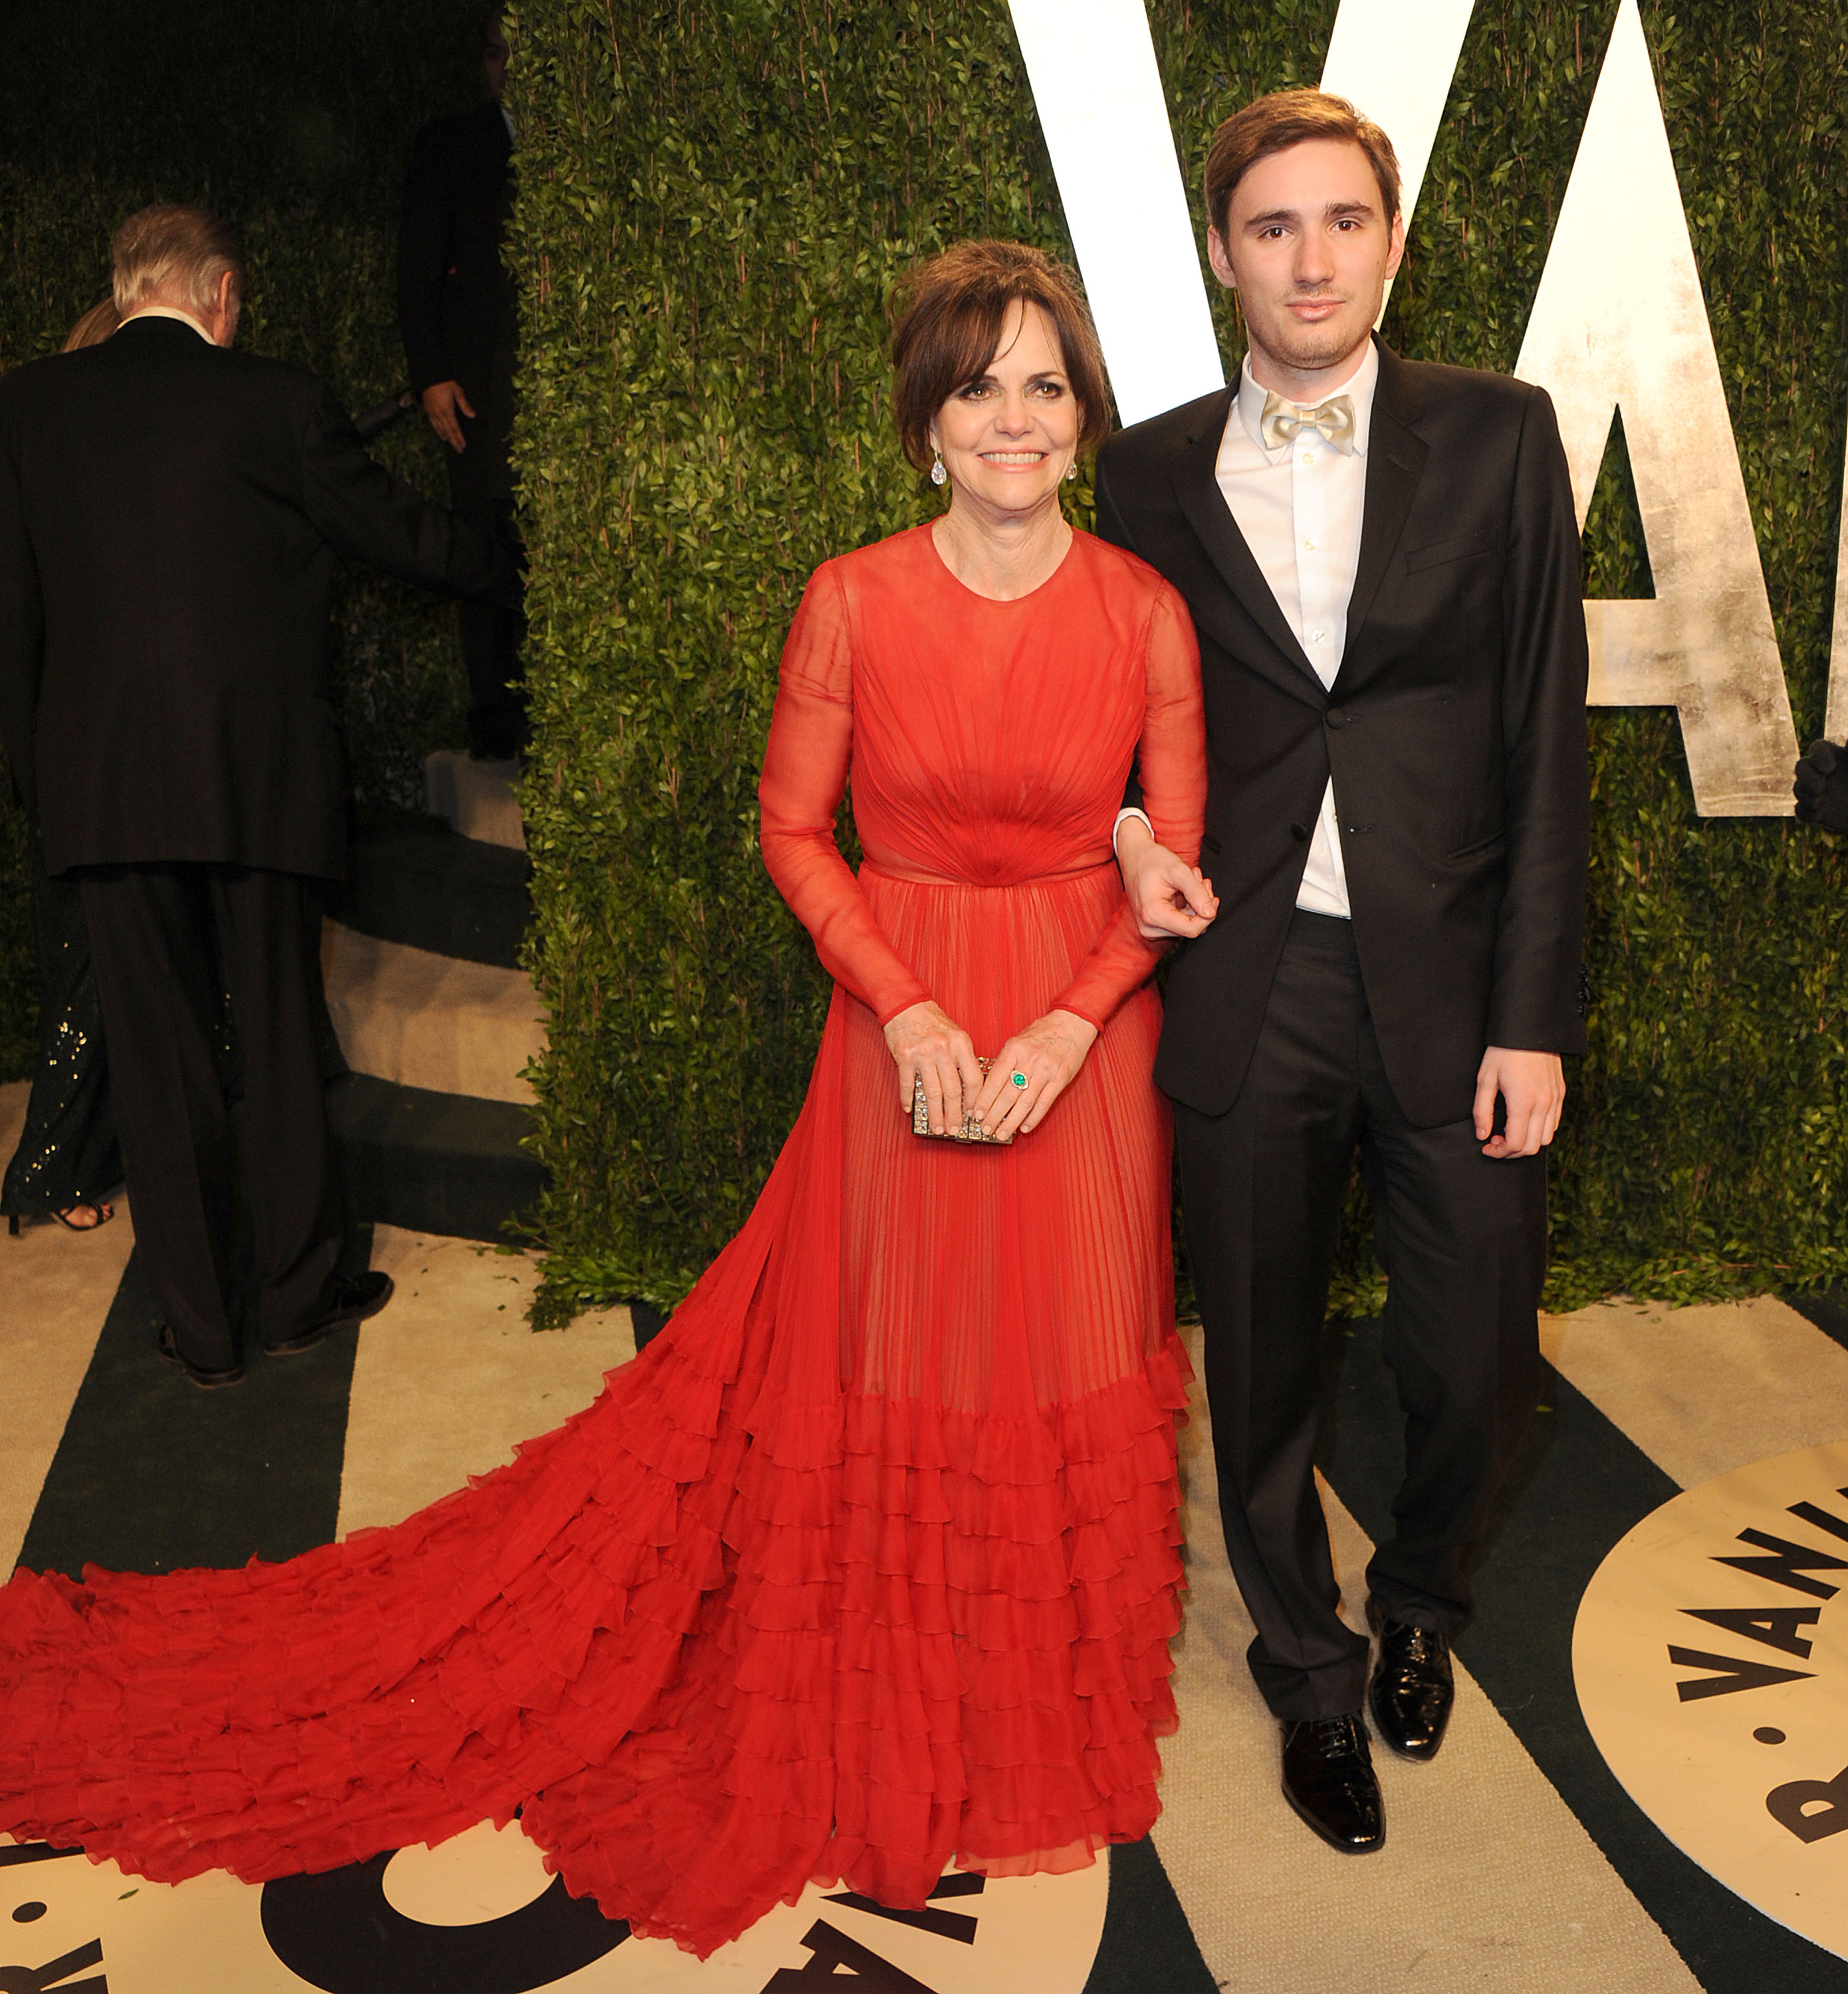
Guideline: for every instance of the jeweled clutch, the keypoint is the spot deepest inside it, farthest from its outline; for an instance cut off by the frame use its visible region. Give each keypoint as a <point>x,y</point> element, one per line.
<point>971,1130</point>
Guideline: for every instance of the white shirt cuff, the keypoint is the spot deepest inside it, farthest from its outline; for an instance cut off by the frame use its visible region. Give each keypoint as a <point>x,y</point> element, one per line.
<point>1141,817</point>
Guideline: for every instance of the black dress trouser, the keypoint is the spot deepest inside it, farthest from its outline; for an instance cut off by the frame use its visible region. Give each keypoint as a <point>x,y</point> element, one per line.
<point>1462,1238</point>
<point>481,492</point>
<point>167,940</point>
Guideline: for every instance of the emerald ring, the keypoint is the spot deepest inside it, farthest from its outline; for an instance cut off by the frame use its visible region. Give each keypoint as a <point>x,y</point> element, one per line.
<point>1019,1079</point>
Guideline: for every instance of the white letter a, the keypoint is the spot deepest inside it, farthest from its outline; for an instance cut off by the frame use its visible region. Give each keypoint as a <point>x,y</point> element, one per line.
<point>1621,321</point>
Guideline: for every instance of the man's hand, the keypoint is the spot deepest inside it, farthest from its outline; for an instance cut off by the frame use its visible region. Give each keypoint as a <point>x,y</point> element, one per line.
<point>1533,1084</point>
<point>442,400</point>
<point>1167,895</point>
<point>1822,787</point>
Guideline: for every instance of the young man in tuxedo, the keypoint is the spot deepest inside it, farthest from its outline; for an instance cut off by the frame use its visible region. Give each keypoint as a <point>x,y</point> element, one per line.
<point>1382,561</point>
<point>456,311</point>
<point>169,513</point>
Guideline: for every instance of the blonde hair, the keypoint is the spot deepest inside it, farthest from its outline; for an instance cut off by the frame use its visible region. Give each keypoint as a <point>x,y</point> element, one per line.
<point>94,327</point>
<point>174,255</point>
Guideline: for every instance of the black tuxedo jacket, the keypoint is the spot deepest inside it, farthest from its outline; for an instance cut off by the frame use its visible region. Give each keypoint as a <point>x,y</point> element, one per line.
<point>455,302</point>
<point>169,517</point>
<point>1455,733</point>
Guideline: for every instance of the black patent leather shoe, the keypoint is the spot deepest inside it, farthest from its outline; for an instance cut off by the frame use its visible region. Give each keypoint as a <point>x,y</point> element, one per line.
<point>169,1347</point>
<point>352,1301</point>
<point>1412,1686</point>
<point>1329,1778</point>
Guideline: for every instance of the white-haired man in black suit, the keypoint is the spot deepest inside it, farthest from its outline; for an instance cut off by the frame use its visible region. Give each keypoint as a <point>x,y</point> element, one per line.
<point>169,513</point>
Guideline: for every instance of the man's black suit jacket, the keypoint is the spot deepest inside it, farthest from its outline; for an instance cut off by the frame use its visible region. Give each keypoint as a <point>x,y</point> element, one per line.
<point>169,517</point>
<point>456,305</point>
<point>1455,732</point>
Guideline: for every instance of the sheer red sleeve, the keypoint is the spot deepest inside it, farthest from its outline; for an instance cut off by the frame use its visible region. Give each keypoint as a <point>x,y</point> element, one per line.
<point>1173,766</point>
<point>805,765</point>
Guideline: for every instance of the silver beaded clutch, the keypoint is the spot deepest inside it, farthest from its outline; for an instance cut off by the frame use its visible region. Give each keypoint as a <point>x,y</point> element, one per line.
<point>971,1130</point>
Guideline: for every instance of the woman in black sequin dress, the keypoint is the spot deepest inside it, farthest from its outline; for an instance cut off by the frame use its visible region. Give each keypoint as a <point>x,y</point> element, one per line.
<point>67,1156</point>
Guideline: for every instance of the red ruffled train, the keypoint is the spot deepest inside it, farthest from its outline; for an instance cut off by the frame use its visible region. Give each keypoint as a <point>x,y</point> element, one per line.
<point>715,1635</point>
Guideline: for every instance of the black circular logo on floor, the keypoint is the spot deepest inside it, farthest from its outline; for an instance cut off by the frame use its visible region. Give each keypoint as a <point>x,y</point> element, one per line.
<point>1711,1657</point>
<point>479,1914</point>
<point>341,1932</point>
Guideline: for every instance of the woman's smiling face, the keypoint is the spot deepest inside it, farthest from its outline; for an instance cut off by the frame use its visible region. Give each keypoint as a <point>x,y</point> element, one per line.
<point>1007,439</point>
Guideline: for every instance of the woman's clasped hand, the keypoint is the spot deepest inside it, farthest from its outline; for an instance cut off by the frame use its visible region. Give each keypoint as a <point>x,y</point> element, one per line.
<point>927,1044</point>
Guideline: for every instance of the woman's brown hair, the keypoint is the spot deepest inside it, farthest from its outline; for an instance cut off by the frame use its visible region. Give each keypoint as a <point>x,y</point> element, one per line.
<point>951,314</point>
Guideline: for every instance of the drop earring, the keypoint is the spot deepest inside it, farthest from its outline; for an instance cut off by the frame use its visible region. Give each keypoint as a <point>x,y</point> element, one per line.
<point>1071,472</point>
<point>938,474</point>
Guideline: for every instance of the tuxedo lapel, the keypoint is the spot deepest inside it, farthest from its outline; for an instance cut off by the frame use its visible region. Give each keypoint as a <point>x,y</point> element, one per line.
<point>1197,487</point>
<point>1395,463</point>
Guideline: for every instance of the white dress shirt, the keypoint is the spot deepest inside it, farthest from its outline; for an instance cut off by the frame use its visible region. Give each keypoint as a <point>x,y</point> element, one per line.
<point>168,311</point>
<point>1299,507</point>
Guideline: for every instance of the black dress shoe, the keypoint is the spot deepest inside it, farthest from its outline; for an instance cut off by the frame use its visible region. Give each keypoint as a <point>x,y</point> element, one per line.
<point>169,1349</point>
<point>352,1301</point>
<point>1329,1778</point>
<point>1412,1687</point>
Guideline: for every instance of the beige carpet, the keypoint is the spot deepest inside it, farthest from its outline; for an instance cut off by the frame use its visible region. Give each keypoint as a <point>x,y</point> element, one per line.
<point>1659,1373</point>
<point>402,1014</point>
<point>55,1290</point>
<point>449,1377</point>
<point>1455,1903</point>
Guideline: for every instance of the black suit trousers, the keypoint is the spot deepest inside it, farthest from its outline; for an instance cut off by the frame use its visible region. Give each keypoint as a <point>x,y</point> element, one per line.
<point>481,495</point>
<point>167,941</point>
<point>1462,1238</point>
<point>492,635</point>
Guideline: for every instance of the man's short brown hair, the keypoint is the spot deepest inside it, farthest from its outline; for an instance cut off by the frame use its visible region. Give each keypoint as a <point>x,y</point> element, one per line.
<point>173,255</point>
<point>1284,118</point>
<point>951,314</point>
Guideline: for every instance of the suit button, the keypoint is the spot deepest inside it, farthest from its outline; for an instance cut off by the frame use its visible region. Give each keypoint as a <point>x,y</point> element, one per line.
<point>1336,717</point>
<point>1297,833</point>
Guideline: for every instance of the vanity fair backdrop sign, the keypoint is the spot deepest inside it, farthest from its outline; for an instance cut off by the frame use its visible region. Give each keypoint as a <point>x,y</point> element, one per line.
<point>1637,205</point>
<point>1619,323</point>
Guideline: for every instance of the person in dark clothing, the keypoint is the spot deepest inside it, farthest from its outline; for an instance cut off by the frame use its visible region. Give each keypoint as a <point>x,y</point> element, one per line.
<point>67,1155</point>
<point>1821,787</point>
<point>456,311</point>
<point>1381,558</point>
<point>169,511</point>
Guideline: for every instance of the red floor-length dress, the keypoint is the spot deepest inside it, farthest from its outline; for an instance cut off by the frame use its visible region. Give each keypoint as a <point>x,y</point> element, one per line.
<point>870,1561</point>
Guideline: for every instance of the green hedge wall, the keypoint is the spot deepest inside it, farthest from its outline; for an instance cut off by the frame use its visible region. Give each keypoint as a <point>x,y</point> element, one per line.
<point>716,200</point>
<point>294,118</point>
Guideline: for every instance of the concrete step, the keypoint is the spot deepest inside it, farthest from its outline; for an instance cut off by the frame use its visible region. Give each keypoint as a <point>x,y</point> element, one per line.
<point>431,1162</point>
<point>433,889</point>
<point>475,798</point>
<point>433,1022</point>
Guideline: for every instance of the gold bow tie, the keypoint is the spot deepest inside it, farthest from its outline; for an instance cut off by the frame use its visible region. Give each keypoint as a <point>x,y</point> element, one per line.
<point>1333,420</point>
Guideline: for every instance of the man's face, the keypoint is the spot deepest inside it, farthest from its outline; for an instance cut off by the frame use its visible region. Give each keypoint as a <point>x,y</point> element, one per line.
<point>494,58</point>
<point>1308,249</point>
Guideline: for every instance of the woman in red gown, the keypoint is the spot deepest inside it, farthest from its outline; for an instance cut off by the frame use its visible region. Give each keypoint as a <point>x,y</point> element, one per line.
<point>870,1561</point>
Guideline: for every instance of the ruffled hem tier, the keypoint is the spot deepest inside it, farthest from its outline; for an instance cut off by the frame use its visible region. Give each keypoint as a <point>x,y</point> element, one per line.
<point>710,1642</point>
